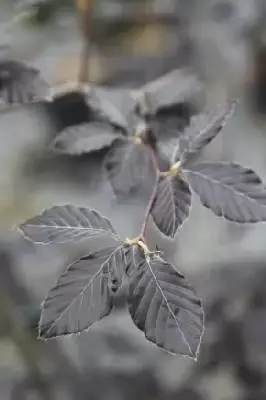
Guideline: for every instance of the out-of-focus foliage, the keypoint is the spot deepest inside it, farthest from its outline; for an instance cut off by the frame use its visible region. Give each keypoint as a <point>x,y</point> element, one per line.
<point>223,42</point>
<point>42,12</point>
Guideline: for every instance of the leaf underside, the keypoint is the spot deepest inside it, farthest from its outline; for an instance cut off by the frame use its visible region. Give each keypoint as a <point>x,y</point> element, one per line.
<point>61,224</point>
<point>85,138</point>
<point>116,105</point>
<point>20,84</point>
<point>172,204</point>
<point>176,87</point>
<point>129,168</point>
<point>163,305</point>
<point>81,296</point>
<point>202,130</point>
<point>230,191</point>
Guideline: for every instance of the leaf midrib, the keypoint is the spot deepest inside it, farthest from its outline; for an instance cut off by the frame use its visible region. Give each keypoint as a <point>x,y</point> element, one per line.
<point>92,279</point>
<point>229,187</point>
<point>168,306</point>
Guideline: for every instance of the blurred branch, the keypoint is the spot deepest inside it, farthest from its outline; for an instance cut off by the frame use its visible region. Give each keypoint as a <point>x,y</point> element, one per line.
<point>84,8</point>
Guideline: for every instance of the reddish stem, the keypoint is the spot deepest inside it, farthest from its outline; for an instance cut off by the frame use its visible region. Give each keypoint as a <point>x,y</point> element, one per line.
<point>151,199</point>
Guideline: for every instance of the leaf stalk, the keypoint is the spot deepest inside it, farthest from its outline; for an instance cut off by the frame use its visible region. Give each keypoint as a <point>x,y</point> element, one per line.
<point>173,170</point>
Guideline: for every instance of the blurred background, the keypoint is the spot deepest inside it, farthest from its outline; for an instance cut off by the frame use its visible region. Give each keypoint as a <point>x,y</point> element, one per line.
<point>127,43</point>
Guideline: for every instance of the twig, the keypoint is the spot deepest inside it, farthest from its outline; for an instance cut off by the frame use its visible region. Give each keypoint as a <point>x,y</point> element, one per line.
<point>152,197</point>
<point>173,171</point>
<point>84,8</point>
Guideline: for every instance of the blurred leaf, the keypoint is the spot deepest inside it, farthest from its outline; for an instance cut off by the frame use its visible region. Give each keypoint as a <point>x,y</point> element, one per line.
<point>163,304</point>
<point>43,12</point>
<point>171,205</point>
<point>116,105</point>
<point>230,191</point>
<point>61,224</point>
<point>85,138</point>
<point>20,84</point>
<point>129,167</point>
<point>176,87</point>
<point>80,297</point>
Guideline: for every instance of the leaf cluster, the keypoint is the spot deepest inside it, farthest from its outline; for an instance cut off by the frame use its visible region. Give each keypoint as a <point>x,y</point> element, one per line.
<point>160,300</point>
<point>132,124</point>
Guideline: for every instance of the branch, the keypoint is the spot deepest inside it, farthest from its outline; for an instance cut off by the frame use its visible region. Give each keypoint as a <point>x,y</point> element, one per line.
<point>84,9</point>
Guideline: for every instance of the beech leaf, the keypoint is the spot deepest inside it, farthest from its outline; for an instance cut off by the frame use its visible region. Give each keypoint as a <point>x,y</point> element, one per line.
<point>85,138</point>
<point>61,224</point>
<point>202,130</point>
<point>230,191</point>
<point>81,296</point>
<point>163,304</point>
<point>171,205</point>
<point>20,84</point>
<point>175,87</point>
<point>129,167</point>
<point>116,105</point>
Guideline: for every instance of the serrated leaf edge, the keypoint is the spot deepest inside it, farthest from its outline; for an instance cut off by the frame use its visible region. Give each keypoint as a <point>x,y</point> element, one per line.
<point>201,132</point>
<point>192,355</point>
<point>172,236</point>
<point>101,231</point>
<point>44,338</point>
<point>187,170</point>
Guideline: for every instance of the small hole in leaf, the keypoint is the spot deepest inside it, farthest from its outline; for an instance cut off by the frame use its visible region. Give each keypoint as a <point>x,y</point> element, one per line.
<point>114,285</point>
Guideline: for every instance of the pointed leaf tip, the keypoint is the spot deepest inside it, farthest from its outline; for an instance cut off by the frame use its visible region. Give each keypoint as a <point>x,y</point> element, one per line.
<point>202,130</point>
